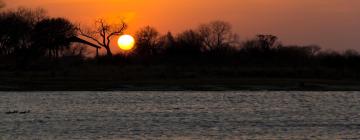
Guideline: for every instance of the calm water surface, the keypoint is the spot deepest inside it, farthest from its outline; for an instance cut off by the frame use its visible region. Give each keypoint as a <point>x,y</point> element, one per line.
<point>180,115</point>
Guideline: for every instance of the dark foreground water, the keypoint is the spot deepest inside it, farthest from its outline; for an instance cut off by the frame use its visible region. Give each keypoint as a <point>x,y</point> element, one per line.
<point>179,115</point>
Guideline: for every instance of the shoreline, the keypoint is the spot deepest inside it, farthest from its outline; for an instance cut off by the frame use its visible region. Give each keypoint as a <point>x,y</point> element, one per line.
<point>291,85</point>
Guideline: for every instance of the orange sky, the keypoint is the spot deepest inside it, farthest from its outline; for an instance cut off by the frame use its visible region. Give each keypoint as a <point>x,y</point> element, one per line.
<point>332,24</point>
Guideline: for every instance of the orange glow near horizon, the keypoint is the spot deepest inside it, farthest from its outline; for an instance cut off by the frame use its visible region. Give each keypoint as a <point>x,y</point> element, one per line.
<point>332,24</point>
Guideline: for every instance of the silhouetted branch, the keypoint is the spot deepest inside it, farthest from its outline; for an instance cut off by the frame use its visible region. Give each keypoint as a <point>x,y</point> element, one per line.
<point>88,35</point>
<point>217,34</point>
<point>26,36</point>
<point>79,40</point>
<point>117,31</point>
<point>103,33</point>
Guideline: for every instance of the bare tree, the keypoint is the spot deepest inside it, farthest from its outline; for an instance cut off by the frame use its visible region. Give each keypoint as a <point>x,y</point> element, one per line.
<point>217,34</point>
<point>147,41</point>
<point>103,33</point>
<point>33,16</point>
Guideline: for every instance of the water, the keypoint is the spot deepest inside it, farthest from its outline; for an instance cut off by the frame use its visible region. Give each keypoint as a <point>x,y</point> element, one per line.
<point>180,115</point>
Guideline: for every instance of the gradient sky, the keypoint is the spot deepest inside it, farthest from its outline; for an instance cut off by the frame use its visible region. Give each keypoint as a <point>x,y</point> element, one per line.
<point>333,24</point>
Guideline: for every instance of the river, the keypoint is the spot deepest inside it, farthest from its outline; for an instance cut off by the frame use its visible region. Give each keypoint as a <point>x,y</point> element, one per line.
<point>179,115</point>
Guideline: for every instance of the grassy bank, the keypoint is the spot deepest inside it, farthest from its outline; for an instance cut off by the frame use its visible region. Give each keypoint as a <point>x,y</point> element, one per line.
<point>159,77</point>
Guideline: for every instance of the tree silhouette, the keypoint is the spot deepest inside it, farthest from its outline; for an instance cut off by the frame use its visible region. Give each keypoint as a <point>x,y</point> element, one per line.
<point>16,27</point>
<point>251,47</point>
<point>11,31</point>
<point>147,41</point>
<point>261,46</point>
<point>212,49</point>
<point>189,42</point>
<point>52,35</point>
<point>103,33</point>
<point>167,41</point>
<point>217,34</point>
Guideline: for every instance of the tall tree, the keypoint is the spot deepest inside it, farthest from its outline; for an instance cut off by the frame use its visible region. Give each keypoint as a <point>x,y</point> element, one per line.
<point>16,27</point>
<point>103,33</point>
<point>147,41</point>
<point>217,34</point>
<point>53,35</point>
<point>190,42</point>
<point>167,41</point>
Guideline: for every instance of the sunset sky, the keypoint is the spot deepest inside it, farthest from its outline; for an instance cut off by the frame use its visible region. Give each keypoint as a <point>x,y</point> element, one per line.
<point>331,24</point>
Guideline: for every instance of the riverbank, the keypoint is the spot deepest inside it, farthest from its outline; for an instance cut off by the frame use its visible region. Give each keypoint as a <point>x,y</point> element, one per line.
<point>176,78</point>
<point>179,85</point>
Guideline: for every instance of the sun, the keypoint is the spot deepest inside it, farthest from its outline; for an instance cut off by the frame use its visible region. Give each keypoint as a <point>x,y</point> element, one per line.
<point>126,42</point>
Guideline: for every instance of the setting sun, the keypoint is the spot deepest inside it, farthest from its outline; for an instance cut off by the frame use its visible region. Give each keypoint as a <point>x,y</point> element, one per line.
<point>126,42</point>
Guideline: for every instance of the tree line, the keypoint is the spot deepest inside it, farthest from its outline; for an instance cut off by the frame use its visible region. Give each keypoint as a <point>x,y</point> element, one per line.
<point>32,33</point>
<point>28,35</point>
<point>216,43</point>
